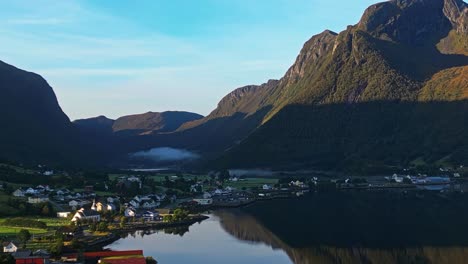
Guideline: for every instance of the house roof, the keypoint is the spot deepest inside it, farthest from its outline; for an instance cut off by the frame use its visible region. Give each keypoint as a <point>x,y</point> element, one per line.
<point>138,259</point>
<point>5,244</point>
<point>21,253</point>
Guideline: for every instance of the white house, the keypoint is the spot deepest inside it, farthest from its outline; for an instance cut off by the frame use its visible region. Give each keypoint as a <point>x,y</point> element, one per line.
<point>63,214</point>
<point>48,173</point>
<point>206,195</point>
<point>73,203</point>
<point>148,204</point>
<point>266,187</point>
<point>31,191</point>
<point>84,214</point>
<point>130,212</point>
<point>150,216</point>
<point>38,199</point>
<point>298,184</point>
<point>10,248</point>
<point>113,199</point>
<point>19,193</point>
<point>77,203</point>
<point>229,189</point>
<point>195,188</point>
<point>203,201</point>
<point>143,202</point>
<point>133,179</point>
<point>135,203</point>
<point>111,207</point>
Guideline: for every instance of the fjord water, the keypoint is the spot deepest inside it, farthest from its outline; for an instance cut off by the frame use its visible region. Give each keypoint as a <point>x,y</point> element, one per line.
<point>335,228</point>
<point>205,243</point>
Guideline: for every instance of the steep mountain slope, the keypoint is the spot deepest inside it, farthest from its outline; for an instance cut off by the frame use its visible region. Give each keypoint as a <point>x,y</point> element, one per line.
<point>34,127</point>
<point>387,91</point>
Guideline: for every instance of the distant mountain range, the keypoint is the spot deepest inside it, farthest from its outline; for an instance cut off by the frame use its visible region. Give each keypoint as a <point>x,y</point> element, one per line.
<point>140,124</point>
<point>389,91</point>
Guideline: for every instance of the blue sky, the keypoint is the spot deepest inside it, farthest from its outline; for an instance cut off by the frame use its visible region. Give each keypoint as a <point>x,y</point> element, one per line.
<point>125,57</point>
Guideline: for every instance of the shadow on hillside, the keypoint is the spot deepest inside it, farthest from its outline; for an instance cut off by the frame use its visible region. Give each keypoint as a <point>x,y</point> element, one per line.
<point>419,63</point>
<point>356,135</point>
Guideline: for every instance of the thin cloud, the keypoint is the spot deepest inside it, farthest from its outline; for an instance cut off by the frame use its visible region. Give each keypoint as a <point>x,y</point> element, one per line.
<point>37,21</point>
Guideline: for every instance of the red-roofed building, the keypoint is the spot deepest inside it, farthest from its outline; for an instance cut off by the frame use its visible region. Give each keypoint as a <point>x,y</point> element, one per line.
<point>113,257</point>
<point>32,260</point>
<point>124,260</point>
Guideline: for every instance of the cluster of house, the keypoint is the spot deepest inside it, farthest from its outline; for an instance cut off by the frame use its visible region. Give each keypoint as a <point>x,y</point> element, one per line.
<point>129,180</point>
<point>143,206</point>
<point>108,205</point>
<point>420,179</point>
<point>20,255</point>
<point>43,257</point>
<point>225,195</point>
<point>35,195</point>
<point>41,194</point>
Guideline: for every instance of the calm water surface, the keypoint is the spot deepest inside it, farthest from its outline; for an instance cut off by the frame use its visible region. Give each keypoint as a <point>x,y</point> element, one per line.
<point>336,228</point>
<point>206,242</point>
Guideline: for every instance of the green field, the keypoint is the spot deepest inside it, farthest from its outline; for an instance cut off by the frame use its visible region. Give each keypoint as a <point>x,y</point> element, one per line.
<point>159,177</point>
<point>251,182</point>
<point>12,231</point>
<point>100,193</point>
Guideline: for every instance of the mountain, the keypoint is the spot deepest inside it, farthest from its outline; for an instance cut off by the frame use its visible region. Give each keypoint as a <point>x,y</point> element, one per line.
<point>99,124</point>
<point>34,127</point>
<point>389,91</point>
<point>152,122</point>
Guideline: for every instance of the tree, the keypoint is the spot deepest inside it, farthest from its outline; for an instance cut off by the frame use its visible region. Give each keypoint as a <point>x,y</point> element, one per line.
<point>168,218</point>
<point>123,221</point>
<point>76,244</point>
<point>45,210</point>
<point>24,235</point>
<point>8,259</point>
<point>92,227</point>
<point>180,214</point>
<point>56,249</point>
<point>102,227</point>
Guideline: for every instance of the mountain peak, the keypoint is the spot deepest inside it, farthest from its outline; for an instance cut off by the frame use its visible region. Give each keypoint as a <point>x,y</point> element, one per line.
<point>414,22</point>
<point>314,49</point>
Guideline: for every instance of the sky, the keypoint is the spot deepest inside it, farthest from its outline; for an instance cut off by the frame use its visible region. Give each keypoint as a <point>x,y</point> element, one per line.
<point>116,58</point>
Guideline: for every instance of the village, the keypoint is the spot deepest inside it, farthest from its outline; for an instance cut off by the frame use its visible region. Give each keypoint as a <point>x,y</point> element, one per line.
<point>75,221</point>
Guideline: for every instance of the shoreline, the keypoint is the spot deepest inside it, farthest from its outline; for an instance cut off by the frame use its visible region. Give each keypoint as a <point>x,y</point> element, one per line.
<point>115,234</point>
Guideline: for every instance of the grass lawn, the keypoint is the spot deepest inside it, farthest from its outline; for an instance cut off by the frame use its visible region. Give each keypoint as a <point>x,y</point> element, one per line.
<point>12,231</point>
<point>100,193</point>
<point>52,222</point>
<point>251,182</point>
<point>161,176</point>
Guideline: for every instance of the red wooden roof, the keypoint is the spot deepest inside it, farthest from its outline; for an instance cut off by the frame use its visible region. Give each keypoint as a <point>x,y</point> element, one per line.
<point>132,260</point>
<point>102,254</point>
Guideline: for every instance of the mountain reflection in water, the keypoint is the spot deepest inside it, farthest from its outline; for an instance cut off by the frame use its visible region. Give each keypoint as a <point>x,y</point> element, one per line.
<point>330,228</point>
<point>282,225</point>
